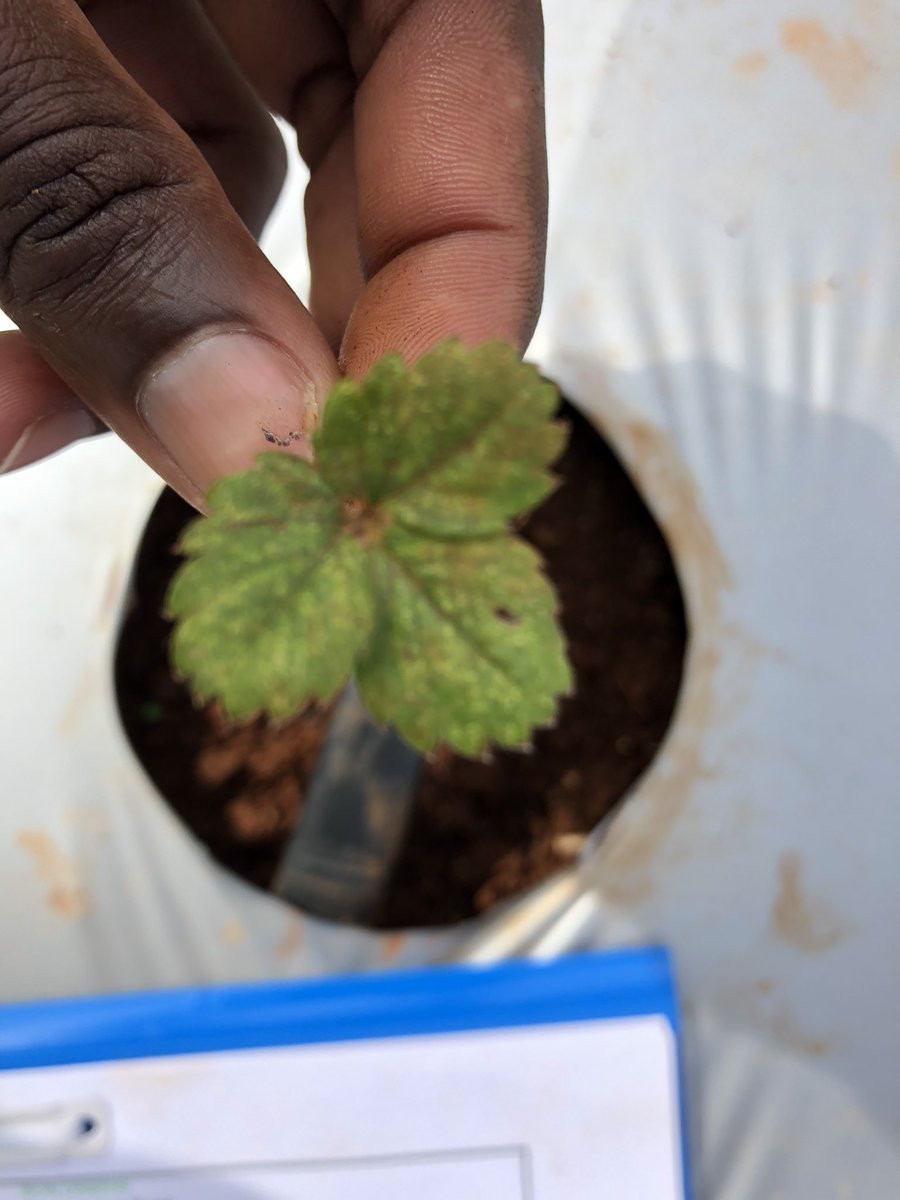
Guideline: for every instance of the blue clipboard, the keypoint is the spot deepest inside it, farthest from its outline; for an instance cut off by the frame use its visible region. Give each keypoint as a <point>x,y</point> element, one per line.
<point>432,1007</point>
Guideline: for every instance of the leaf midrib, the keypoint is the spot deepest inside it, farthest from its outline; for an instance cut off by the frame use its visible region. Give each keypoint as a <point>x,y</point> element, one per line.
<point>266,566</point>
<point>436,607</point>
<point>434,465</point>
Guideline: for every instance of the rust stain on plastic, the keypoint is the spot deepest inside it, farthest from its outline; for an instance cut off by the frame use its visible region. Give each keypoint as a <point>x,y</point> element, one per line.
<point>870,12</point>
<point>66,896</point>
<point>649,452</point>
<point>87,685</point>
<point>626,859</point>
<point>786,1028</point>
<point>825,289</point>
<point>803,922</point>
<point>748,66</point>
<point>233,933</point>
<point>108,608</point>
<point>392,947</point>
<point>291,941</point>
<point>841,63</point>
<point>90,820</point>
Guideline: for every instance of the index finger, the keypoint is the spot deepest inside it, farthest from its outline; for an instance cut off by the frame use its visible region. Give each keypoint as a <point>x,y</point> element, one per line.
<point>451,172</point>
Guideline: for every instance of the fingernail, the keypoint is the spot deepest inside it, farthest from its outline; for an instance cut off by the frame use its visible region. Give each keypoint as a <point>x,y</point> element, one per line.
<point>46,436</point>
<point>222,399</point>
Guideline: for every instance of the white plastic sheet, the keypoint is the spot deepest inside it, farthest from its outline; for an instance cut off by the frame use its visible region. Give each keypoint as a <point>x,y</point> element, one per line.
<point>722,299</point>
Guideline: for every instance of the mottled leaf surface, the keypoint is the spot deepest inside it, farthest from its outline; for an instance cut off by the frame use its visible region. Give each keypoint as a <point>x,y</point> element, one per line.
<point>391,558</point>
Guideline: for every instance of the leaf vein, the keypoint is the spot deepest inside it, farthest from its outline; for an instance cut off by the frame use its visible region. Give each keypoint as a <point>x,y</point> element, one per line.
<point>466,444</point>
<point>434,604</point>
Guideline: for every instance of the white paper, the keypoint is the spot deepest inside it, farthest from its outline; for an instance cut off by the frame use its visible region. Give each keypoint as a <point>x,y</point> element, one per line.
<point>556,1112</point>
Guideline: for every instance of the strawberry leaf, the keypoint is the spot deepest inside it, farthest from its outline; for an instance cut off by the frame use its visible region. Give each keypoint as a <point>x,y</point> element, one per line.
<point>391,558</point>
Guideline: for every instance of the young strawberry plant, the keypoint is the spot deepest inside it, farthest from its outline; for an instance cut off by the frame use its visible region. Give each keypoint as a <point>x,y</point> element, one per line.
<point>392,558</point>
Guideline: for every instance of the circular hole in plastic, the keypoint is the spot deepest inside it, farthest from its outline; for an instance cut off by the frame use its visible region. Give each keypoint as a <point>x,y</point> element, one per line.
<point>481,832</point>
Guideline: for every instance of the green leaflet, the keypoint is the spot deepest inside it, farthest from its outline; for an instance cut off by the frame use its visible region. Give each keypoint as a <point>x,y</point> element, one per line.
<point>391,558</point>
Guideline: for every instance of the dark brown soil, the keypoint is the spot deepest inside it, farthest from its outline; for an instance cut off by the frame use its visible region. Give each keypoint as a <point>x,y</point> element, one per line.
<point>480,832</point>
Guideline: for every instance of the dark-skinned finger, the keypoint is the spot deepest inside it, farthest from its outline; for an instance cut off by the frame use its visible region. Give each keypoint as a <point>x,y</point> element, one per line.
<point>38,413</point>
<point>448,168</point>
<point>173,51</point>
<point>296,55</point>
<point>125,265</point>
<point>451,172</point>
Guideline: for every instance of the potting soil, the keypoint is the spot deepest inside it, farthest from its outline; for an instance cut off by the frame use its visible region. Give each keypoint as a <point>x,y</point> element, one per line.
<point>480,832</point>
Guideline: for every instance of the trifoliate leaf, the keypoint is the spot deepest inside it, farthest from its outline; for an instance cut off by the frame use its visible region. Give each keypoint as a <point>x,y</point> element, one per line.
<point>390,558</point>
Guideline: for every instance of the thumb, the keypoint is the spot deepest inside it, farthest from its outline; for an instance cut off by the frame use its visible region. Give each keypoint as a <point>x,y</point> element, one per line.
<point>128,270</point>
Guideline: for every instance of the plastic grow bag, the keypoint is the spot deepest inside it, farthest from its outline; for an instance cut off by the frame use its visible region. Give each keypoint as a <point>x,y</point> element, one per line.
<point>722,300</point>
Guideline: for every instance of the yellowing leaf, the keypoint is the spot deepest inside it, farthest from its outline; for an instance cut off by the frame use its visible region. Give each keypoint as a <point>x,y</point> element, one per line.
<point>391,558</point>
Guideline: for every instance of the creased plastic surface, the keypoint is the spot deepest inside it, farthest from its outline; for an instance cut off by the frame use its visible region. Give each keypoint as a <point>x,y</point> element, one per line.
<point>722,299</point>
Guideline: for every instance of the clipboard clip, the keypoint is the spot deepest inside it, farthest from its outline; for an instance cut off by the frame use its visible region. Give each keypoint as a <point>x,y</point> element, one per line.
<point>60,1131</point>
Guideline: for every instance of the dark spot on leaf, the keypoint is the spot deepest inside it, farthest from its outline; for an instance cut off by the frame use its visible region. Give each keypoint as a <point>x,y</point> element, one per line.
<point>503,614</point>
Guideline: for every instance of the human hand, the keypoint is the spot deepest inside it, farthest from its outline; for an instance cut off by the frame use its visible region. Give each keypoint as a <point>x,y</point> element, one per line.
<point>137,161</point>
